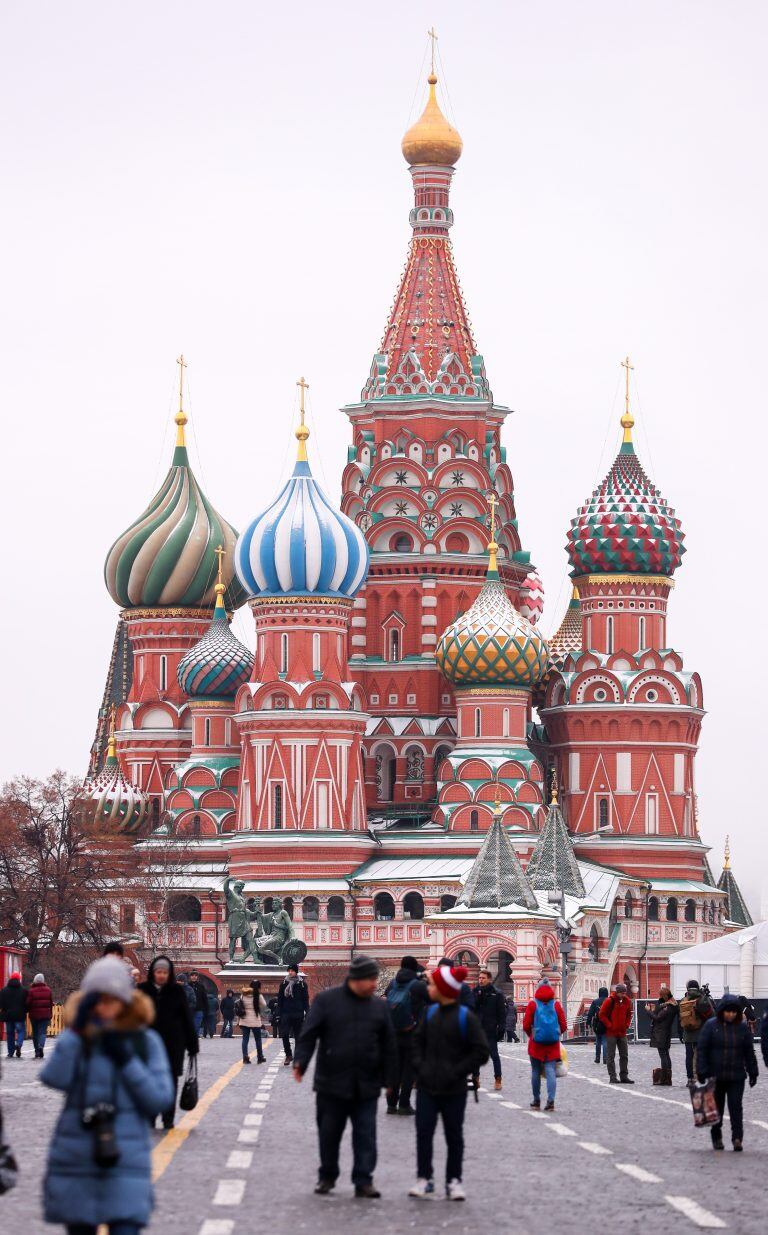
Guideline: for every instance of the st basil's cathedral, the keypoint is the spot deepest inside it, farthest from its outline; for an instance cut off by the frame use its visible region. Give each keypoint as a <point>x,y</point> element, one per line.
<point>406,765</point>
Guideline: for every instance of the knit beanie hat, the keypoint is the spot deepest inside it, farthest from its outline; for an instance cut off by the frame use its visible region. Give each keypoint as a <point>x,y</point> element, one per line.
<point>363,967</point>
<point>38,979</point>
<point>108,976</point>
<point>448,979</point>
<point>16,975</point>
<point>410,962</point>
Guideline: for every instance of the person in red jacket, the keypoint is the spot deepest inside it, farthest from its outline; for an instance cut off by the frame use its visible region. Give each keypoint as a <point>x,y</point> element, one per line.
<point>616,1015</point>
<point>40,1011</point>
<point>543,1022</point>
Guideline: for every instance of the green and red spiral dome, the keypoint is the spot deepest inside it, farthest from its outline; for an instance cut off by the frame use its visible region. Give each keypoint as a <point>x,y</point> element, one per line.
<point>626,526</point>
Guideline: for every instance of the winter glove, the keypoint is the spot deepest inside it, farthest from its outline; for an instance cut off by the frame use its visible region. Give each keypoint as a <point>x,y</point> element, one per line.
<point>117,1047</point>
<point>85,1012</point>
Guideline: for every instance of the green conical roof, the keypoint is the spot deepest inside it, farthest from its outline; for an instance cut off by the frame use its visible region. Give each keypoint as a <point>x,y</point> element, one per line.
<point>553,866</point>
<point>496,878</point>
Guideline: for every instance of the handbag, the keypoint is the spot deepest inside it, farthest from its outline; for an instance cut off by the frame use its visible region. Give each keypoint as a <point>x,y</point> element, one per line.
<point>561,1067</point>
<point>705,1110</point>
<point>189,1090</point>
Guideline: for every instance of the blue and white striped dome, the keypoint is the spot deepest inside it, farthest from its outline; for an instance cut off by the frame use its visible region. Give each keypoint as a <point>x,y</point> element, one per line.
<point>301,545</point>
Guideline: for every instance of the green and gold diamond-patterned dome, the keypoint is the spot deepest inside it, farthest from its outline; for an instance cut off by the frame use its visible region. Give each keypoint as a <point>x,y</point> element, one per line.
<point>492,644</point>
<point>167,557</point>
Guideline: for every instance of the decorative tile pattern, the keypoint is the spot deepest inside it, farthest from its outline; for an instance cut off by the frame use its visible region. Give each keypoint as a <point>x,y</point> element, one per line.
<point>553,866</point>
<point>492,644</point>
<point>496,878</point>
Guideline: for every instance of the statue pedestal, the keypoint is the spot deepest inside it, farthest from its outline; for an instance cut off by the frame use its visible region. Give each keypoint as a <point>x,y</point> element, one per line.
<point>246,971</point>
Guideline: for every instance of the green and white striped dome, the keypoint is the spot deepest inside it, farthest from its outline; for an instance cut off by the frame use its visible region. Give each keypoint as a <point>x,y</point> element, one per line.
<point>167,557</point>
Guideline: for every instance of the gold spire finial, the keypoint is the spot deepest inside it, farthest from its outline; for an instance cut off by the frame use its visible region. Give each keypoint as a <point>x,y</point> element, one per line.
<point>553,791</point>
<point>627,420</point>
<point>302,433</point>
<point>112,740</point>
<point>220,586</point>
<point>497,808</point>
<point>433,38</point>
<point>180,417</point>
<point>493,564</point>
<point>727,859</point>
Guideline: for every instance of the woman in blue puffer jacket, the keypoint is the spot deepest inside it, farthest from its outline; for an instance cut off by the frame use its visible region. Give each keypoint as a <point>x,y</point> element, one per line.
<point>114,1072</point>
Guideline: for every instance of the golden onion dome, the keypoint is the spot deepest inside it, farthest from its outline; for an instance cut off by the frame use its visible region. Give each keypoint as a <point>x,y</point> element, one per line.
<point>492,644</point>
<point>432,139</point>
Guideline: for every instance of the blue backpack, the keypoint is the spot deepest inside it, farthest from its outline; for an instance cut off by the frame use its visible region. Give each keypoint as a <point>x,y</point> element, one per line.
<point>546,1027</point>
<point>400,1007</point>
<point>432,1009</point>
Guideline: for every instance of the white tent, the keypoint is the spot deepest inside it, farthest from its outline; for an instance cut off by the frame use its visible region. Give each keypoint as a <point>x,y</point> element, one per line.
<point>737,961</point>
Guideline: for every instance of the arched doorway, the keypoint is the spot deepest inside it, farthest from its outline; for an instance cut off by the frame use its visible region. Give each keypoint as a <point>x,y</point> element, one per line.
<point>385,773</point>
<point>500,964</point>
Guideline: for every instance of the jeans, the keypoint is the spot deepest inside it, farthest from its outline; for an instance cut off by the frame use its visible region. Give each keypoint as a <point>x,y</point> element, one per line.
<point>256,1031</point>
<point>197,1017</point>
<point>690,1060</point>
<point>493,1050</point>
<point>550,1071</point>
<point>733,1091</point>
<point>39,1031</point>
<point>451,1106</point>
<point>115,1228</point>
<point>332,1115</point>
<point>227,1027</point>
<point>14,1033</point>
<point>620,1045</point>
<point>288,1030</point>
<point>401,1092</point>
<point>600,1048</point>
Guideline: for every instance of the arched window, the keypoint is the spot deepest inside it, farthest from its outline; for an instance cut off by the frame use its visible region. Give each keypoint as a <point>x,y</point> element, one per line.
<point>602,813</point>
<point>413,905</point>
<point>609,634</point>
<point>672,909</point>
<point>642,632</point>
<point>383,907</point>
<point>184,908</point>
<point>315,653</point>
<point>505,723</point>
<point>456,543</point>
<point>403,543</point>
<point>447,901</point>
<point>594,942</point>
<point>335,908</point>
<point>207,738</point>
<point>277,806</point>
<point>712,912</point>
<point>310,909</point>
<point>394,645</point>
<point>653,908</point>
<point>194,829</point>
<point>163,672</point>
<point>690,910</point>
<point>474,820</point>
<point>478,722</point>
<point>629,905</point>
<point>283,653</point>
<point>288,906</point>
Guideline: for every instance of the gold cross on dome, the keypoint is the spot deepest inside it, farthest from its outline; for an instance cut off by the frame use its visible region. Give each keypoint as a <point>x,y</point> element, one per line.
<point>302,433</point>
<point>497,811</point>
<point>180,418</point>
<point>433,37</point>
<point>627,420</point>
<point>219,551</point>
<point>302,386</point>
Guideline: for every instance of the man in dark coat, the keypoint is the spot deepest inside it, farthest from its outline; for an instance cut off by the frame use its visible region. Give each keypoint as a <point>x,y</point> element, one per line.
<point>357,1056</point>
<point>201,1002</point>
<point>13,1012</point>
<point>491,1011</point>
<point>726,1052</point>
<point>596,1025</point>
<point>173,1021</point>
<point>292,1008</point>
<point>449,1046</point>
<point>227,1008</point>
<point>510,1023</point>
<point>407,998</point>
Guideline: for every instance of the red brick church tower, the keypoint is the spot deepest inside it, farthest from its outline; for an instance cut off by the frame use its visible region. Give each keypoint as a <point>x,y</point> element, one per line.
<point>425,459</point>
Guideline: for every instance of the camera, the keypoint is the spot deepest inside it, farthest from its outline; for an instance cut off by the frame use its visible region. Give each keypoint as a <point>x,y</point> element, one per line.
<point>100,1119</point>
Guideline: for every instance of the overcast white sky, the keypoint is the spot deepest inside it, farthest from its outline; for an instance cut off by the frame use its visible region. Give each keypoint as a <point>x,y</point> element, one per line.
<point>226,180</point>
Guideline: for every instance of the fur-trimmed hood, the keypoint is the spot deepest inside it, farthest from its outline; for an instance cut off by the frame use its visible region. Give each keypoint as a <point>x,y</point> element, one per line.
<point>138,1014</point>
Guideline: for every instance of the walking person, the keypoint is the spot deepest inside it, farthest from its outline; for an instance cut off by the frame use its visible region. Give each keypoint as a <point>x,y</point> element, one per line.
<point>616,1014</point>
<point>694,1010</point>
<point>663,1016</point>
<point>406,998</point>
<point>227,1009</point>
<point>173,1023</point>
<point>725,1051</point>
<point>510,1020</point>
<point>250,1008</point>
<point>449,1046</point>
<point>491,1011</point>
<point>596,1025</point>
<point>40,1011</point>
<point>544,1021</point>
<point>114,1072</point>
<point>292,1008</point>
<point>13,1012</point>
<point>201,1003</point>
<point>357,1057</point>
<point>211,1015</point>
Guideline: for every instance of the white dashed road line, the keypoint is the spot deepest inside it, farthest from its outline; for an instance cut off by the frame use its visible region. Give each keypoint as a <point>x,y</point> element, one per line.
<point>561,1129</point>
<point>592,1147</point>
<point>513,1106</point>
<point>239,1160</point>
<point>699,1216</point>
<point>252,1121</point>
<point>217,1226</point>
<point>638,1172</point>
<point>229,1192</point>
<point>248,1136</point>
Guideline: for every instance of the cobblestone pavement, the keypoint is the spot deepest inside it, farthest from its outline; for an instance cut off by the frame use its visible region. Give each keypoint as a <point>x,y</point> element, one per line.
<point>247,1157</point>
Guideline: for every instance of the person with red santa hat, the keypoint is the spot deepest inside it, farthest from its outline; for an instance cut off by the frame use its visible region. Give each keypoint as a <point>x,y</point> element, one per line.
<point>448,1047</point>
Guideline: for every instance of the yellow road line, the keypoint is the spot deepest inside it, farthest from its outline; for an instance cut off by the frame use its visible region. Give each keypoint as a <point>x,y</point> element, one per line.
<point>168,1146</point>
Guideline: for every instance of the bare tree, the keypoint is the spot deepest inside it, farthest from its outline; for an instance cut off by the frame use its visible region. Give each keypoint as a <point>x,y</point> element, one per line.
<point>165,865</point>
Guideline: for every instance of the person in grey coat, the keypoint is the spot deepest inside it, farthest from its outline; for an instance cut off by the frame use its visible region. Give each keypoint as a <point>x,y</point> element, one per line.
<point>115,1074</point>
